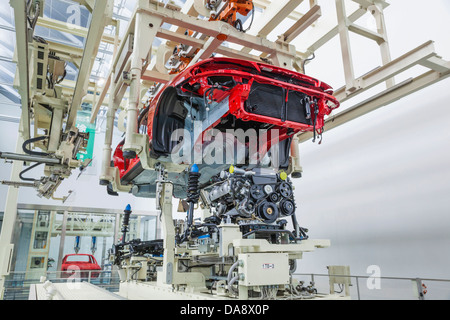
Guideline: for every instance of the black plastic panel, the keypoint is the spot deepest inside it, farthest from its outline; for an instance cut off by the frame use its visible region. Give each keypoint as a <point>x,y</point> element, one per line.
<point>268,100</point>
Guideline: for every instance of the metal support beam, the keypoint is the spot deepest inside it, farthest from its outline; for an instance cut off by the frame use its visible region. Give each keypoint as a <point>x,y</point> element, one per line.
<point>303,23</point>
<point>89,4</point>
<point>155,76</point>
<point>117,54</point>
<point>200,43</point>
<point>9,217</point>
<point>209,29</point>
<point>367,3</point>
<point>346,52</point>
<point>366,33</point>
<point>215,28</point>
<point>208,49</point>
<point>436,63</point>
<point>264,4</point>
<point>62,241</point>
<point>73,29</point>
<point>106,176</point>
<point>168,228</point>
<point>102,12</point>
<point>419,55</point>
<point>146,27</point>
<point>334,32</point>
<point>67,52</point>
<point>377,12</point>
<point>274,14</point>
<point>169,274</point>
<point>21,51</point>
<point>382,99</point>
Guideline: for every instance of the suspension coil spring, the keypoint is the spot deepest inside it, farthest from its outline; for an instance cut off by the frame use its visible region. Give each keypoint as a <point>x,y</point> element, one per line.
<point>193,192</point>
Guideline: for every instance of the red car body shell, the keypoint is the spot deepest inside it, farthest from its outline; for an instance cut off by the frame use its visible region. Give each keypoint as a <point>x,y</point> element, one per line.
<point>71,267</point>
<point>252,72</point>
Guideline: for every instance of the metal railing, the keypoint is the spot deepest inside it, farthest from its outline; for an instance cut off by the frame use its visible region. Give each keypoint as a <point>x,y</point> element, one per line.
<point>382,288</point>
<point>17,284</point>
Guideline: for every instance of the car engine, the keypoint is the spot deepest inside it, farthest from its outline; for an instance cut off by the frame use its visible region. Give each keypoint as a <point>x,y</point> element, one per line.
<point>259,201</point>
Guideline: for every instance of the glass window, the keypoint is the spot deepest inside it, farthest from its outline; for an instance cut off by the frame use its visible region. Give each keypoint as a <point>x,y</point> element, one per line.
<point>78,258</point>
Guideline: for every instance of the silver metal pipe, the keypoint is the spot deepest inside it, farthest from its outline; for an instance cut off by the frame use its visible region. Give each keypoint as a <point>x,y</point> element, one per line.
<point>28,158</point>
<point>18,184</point>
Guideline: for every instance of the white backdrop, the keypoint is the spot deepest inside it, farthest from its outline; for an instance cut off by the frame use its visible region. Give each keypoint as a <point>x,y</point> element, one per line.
<point>379,187</point>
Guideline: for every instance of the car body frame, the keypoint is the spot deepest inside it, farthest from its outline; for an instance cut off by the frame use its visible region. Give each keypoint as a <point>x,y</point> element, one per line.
<point>223,94</point>
<point>83,265</point>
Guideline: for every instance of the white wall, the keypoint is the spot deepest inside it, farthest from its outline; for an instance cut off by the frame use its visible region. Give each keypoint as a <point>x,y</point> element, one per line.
<point>379,187</point>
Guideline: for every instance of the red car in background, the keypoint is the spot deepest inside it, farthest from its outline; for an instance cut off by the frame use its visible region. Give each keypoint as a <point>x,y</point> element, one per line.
<point>79,265</point>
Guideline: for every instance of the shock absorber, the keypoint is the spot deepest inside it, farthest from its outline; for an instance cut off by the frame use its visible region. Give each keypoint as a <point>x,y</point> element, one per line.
<point>126,222</point>
<point>193,192</point>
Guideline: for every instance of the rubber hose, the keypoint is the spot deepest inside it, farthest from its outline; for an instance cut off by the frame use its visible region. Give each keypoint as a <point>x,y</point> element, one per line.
<point>230,285</point>
<point>33,153</point>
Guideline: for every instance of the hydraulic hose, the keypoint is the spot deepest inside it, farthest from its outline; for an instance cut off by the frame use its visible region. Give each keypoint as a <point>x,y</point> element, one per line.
<point>34,153</point>
<point>28,169</point>
<point>306,60</point>
<point>230,280</point>
<point>230,272</point>
<point>230,285</point>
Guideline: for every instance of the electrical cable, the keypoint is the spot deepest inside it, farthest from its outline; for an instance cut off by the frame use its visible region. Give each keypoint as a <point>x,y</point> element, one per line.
<point>306,60</point>
<point>253,16</point>
<point>36,15</point>
<point>28,169</point>
<point>232,280</point>
<point>34,153</point>
<point>238,25</point>
<point>136,272</point>
<point>230,285</point>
